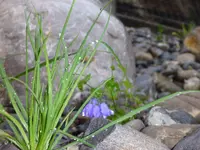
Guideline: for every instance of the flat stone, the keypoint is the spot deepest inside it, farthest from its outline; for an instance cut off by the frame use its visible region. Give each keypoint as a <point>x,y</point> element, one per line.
<point>170,135</point>
<point>129,139</point>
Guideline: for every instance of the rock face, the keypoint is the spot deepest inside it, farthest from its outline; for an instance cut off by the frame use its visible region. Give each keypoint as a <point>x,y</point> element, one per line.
<point>12,35</point>
<point>129,139</point>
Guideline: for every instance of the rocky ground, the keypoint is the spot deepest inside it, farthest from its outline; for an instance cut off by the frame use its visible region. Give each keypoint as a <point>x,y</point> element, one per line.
<point>163,67</point>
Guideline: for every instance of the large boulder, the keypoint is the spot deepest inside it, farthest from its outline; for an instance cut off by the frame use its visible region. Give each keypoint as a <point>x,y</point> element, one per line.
<point>13,27</point>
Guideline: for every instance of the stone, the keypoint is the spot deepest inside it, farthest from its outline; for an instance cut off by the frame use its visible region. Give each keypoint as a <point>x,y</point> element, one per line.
<point>143,32</point>
<point>167,56</point>
<point>190,142</point>
<point>12,35</point>
<point>152,69</point>
<point>186,102</point>
<point>143,56</point>
<point>94,125</point>
<point>182,117</point>
<point>136,124</point>
<point>170,67</point>
<point>112,6</point>
<point>162,94</point>
<point>8,147</point>
<point>191,65</point>
<point>164,84</point>
<point>129,139</point>
<point>162,45</point>
<point>169,135</point>
<point>156,52</point>
<point>143,82</point>
<point>158,116</point>
<point>192,84</point>
<point>186,74</point>
<point>185,57</point>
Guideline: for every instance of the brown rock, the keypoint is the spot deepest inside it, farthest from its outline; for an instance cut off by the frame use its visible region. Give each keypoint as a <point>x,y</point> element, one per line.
<point>186,57</point>
<point>143,56</point>
<point>169,135</point>
<point>186,74</point>
<point>165,84</point>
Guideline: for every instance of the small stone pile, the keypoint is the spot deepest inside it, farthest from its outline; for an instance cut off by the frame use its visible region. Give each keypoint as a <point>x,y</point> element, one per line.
<point>163,66</point>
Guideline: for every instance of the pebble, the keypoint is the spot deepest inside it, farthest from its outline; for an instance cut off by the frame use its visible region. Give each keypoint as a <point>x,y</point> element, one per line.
<point>185,57</point>
<point>192,84</point>
<point>143,56</point>
<point>156,52</point>
<point>186,74</point>
<point>159,116</point>
<point>136,124</point>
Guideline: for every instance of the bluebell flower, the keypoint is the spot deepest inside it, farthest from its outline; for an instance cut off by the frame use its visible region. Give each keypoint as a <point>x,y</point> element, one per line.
<point>105,111</point>
<point>95,110</point>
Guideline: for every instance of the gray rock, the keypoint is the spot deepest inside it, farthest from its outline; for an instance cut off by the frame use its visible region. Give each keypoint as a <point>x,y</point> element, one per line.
<point>129,139</point>
<point>192,84</point>
<point>152,69</point>
<point>143,82</point>
<point>141,64</point>
<point>8,146</point>
<point>189,103</point>
<point>167,56</point>
<point>182,117</point>
<point>159,116</point>
<point>136,124</point>
<point>12,35</point>
<point>143,32</point>
<point>156,52</point>
<point>190,142</point>
<point>94,125</point>
<point>162,94</point>
<point>170,67</point>
<point>190,65</point>
<point>186,57</point>
<point>170,135</point>
<point>164,46</point>
<point>112,6</point>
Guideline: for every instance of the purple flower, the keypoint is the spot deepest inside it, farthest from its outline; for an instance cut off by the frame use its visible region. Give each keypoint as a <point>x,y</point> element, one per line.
<point>94,110</point>
<point>105,111</point>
